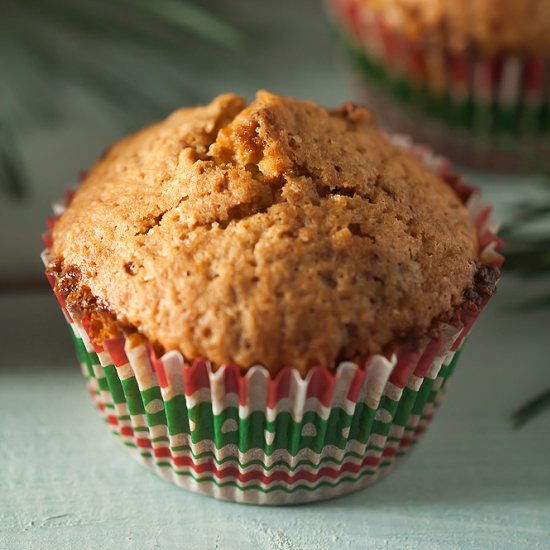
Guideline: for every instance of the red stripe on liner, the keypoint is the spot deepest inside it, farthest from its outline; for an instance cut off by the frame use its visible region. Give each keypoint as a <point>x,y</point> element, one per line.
<point>126,430</point>
<point>157,365</point>
<point>231,375</point>
<point>468,318</point>
<point>62,304</point>
<point>389,41</point>
<point>162,452</point>
<point>351,13</point>
<point>321,385</point>
<point>115,347</point>
<point>47,240</point>
<point>483,217</point>
<point>488,237</point>
<point>195,376</point>
<point>459,69</point>
<point>50,221</point>
<point>534,75</point>
<point>405,442</point>
<point>161,375</point>
<point>357,383</point>
<point>69,194</point>
<point>416,60</point>
<point>243,390</point>
<point>279,388</point>
<point>277,476</point>
<point>456,182</point>
<point>425,362</point>
<point>407,359</point>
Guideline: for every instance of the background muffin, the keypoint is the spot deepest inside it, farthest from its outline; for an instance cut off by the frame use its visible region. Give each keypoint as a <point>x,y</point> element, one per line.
<point>478,68</point>
<point>231,250</point>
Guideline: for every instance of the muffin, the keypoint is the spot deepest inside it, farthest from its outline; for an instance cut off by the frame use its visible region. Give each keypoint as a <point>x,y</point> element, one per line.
<point>470,77</point>
<point>267,300</point>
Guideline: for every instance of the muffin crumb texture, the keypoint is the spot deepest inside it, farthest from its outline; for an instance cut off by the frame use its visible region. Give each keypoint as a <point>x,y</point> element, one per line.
<point>277,233</point>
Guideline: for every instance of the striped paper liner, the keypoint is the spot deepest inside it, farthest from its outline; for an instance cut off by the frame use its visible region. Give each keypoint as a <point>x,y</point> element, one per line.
<point>284,440</point>
<point>503,102</point>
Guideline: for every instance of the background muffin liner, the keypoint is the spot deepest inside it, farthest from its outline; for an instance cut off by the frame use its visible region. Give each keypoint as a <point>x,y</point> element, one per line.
<point>503,102</point>
<point>284,440</point>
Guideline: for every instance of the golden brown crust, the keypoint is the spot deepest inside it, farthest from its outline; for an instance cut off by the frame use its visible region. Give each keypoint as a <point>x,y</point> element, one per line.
<point>279,233</point>
<point>492,26</point>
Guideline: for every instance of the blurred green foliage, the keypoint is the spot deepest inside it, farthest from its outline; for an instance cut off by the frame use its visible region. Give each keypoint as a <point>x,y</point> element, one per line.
<point>113,49</point>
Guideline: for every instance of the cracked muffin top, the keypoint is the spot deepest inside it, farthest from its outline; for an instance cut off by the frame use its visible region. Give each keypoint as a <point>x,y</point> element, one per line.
<point>492,26</point>
<point>277,233</point>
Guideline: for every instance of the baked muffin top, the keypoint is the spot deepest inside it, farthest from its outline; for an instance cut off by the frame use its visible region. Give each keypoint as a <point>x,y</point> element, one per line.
<point>277,233</point>
<point>493,26</point>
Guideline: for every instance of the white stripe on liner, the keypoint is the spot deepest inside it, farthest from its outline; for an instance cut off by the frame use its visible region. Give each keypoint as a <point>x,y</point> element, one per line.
<point>393,392</point>
<point>414,382</point>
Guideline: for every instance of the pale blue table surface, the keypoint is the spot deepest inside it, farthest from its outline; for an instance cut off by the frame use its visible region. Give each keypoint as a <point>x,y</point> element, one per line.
<point>473,482</point>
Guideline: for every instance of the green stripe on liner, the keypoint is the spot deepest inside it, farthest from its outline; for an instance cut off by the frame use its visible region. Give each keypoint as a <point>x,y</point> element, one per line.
<point>483,118</point>
<point>114,385</point>
<point>381,428</point>
<point>133,396</point>
<point>452,366</point>
<point>102,383</point>
<point>366,421</point>
<point>226,427</point>
<point>422,396</point>
<point>161,438</point>
<point>83,354</point>
<point>531,120</point>
<point>405,406</point>
<point>176,415</point>
<point>203,420</point>
<point>153,396</point>
<point>141,429</point>
<point>388,403</point>
<point>460,111</point>
<point>545,119</point>
<point>436,105</point>
<point>506,118</point>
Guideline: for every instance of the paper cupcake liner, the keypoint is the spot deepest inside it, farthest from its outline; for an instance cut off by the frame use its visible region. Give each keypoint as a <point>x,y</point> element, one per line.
<point>503,101</point>
<point>284,440</point>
